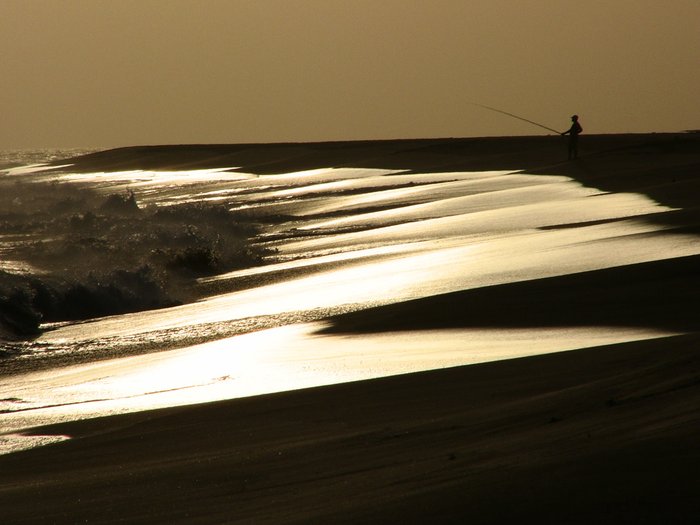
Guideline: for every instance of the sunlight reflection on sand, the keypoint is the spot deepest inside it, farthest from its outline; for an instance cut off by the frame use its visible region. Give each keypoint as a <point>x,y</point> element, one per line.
<point>448,232</point>
<point>285,358</point>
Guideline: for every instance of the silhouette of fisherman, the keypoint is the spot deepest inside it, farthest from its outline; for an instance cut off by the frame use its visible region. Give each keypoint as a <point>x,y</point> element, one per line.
<point>573,133</point>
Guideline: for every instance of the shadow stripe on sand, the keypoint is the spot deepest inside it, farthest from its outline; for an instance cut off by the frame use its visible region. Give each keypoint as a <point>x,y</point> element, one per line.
<point>660,294</point>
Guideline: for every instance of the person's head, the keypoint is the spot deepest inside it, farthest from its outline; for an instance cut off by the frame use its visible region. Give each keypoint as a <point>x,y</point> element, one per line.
<point>574,118</point>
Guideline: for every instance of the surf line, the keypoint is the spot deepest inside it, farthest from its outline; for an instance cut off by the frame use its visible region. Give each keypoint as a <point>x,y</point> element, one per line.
<point>516,116</point>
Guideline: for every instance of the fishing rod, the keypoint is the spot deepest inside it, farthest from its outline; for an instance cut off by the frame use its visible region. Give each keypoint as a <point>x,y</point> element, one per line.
<point>516,116</point>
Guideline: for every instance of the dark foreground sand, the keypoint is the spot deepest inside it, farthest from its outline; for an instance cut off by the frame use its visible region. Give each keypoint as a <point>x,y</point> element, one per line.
<point>603,435</point>
<point>606,435</point>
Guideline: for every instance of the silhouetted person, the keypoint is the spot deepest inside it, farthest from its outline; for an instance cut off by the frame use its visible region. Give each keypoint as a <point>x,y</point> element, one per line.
<point>573,133</point>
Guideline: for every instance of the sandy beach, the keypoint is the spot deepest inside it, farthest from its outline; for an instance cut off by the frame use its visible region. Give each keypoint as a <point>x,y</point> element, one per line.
<point>606,435</point>
<point>603,434</point>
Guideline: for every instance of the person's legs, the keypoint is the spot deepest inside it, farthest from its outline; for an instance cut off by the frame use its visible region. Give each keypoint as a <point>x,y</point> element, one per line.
<point>573,147</point>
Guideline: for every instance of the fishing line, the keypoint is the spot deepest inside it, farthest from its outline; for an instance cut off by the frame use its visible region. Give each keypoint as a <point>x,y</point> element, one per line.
<point>516,116</point>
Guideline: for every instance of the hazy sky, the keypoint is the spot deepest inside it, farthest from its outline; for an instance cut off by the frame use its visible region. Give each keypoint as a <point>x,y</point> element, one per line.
<point>102,73</point>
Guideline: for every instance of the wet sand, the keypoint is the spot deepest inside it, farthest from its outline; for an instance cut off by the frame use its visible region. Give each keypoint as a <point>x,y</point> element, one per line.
<point>606,434</point>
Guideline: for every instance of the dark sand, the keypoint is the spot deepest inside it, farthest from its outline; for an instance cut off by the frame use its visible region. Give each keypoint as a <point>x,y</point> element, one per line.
<point>602,435</point>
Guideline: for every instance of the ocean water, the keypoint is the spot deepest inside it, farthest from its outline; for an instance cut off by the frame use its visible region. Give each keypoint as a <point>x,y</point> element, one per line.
<point>26,157</point>
<point>338,240</point>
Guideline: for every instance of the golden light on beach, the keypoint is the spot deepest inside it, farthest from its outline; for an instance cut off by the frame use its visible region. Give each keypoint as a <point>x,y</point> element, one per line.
<point>277,360</point>
<point>386,317</point>
<point>323,261</point>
